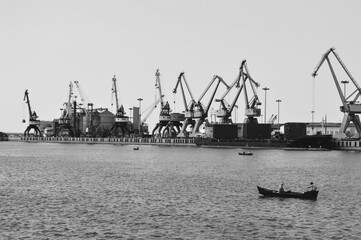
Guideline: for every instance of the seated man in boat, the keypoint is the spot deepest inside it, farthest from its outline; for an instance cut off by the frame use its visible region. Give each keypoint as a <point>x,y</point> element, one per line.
<point>311,187</point>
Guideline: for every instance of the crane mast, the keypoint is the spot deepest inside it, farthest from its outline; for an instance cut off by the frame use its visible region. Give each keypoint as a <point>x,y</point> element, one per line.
<point>33,122</point>
<point>350,108</point>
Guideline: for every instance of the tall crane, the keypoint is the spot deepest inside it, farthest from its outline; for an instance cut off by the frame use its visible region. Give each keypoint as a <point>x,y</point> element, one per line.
<point>34,123</point>
<point>201,113</point>
<point>121,121</point>
<point>65,126</point>
<point>350,105</point>
<point>251,110</point>
<point>164,116</point>
<point>189,112</point>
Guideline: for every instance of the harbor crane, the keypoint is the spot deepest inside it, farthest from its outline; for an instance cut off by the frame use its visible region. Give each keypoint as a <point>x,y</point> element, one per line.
<point>121,121</point>
<point>171,122</point>
<point>65,126</point>
<point>251,111</point>
<point>190,109</point>
<point>201,113</point>
<point>34,123</point>
<point>164,116</point>
<point>350,105</point>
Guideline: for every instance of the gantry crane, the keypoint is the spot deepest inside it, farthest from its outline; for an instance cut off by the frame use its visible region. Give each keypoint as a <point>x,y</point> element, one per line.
<point>121,121</point>
<point>350,105</point>
<point>34,123</point>
<point>190,111</point>
<point>201,113</point>
<point>65,127</point>
<point>251,110</point>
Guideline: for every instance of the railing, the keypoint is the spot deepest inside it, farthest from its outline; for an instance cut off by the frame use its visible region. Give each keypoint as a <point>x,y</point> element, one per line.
<point>145,141</point>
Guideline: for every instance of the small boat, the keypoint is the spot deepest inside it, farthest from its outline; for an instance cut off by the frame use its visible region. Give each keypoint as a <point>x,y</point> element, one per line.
<point>245,153</point>
<point>136,148</point>
<point>288,194</point>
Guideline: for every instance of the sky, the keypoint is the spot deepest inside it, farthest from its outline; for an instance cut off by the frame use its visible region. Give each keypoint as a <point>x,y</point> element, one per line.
<point>46,44</point>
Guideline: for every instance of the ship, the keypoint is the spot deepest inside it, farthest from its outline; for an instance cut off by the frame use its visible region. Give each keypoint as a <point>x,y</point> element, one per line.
<point>259,136</point>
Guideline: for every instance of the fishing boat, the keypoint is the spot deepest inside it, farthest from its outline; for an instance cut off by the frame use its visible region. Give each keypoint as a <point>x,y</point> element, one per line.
<point>288,194</point>
<point>245,153</point>
<point>136,148</point>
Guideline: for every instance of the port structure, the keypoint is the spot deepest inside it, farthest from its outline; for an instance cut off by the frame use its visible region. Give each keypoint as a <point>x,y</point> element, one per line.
<point>191,109</point>
<point>350,104</point>
<point>201,112</point>
<point>171,122</point>
<point>34,123</point>
<point>251,110</point>
<point>120,120</point>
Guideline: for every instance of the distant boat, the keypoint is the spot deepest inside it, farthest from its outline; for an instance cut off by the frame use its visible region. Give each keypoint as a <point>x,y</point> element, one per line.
<point>246,153</point>
<point>288,194</point>
<point>136,148</point>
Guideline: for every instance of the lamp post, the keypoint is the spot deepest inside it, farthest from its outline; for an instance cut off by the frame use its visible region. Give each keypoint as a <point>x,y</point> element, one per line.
<point>278,113</point>
<point>312,112</point>
<point>344,87</point>
<point>265,102</point>
<point>140,113</point>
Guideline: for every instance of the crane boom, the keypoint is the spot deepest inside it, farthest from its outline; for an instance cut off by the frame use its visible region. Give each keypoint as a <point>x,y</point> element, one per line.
<point>115,91</point>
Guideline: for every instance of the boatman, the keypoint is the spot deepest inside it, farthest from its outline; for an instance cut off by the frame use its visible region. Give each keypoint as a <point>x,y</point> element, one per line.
<point>311,187</point>
<point>281,188</point>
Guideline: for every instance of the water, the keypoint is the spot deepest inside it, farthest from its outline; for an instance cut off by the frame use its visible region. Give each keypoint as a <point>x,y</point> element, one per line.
<point>80,191</point>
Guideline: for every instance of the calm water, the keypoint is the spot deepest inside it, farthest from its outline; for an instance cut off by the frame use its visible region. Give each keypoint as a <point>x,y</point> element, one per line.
<point>64,191</point>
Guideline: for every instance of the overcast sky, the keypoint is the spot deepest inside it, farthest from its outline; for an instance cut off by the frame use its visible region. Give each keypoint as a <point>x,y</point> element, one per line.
<point>46,44</point>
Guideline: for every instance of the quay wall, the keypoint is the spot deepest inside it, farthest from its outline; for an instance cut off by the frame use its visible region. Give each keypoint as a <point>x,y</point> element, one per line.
<point>125,141</point>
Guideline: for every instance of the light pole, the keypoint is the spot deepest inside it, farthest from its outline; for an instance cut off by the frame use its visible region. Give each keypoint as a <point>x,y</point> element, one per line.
<point>265,102</point>
<point>344,87</point>
<point>312,112</point>
<point>278,113</point>
<point>140,113</point>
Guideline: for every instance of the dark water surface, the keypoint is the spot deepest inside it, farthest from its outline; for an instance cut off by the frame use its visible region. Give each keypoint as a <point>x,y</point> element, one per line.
<point>79,191</point>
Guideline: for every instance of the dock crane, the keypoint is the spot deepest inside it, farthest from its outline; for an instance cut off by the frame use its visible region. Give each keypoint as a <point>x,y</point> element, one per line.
<point>65,126</point>
<point>251,110</point>
<point>164,116</point>
<point>34,123</point>
<point>201,113</point>
<point>189,112</point>
<point>350,105</point>
<point>121,121</point>
<point>169,122</point>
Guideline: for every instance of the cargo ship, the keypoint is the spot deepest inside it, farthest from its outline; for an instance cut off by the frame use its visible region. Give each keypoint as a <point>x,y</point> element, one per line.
<point>260,136</point>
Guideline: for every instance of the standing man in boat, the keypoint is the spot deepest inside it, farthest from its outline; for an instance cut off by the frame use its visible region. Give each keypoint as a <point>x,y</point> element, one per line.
<point>311,187</point>
<point>281,188</point>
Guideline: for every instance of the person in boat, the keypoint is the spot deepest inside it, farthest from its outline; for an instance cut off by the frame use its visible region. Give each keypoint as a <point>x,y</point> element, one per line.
<point>281,188</point>
<point>311,187</point>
